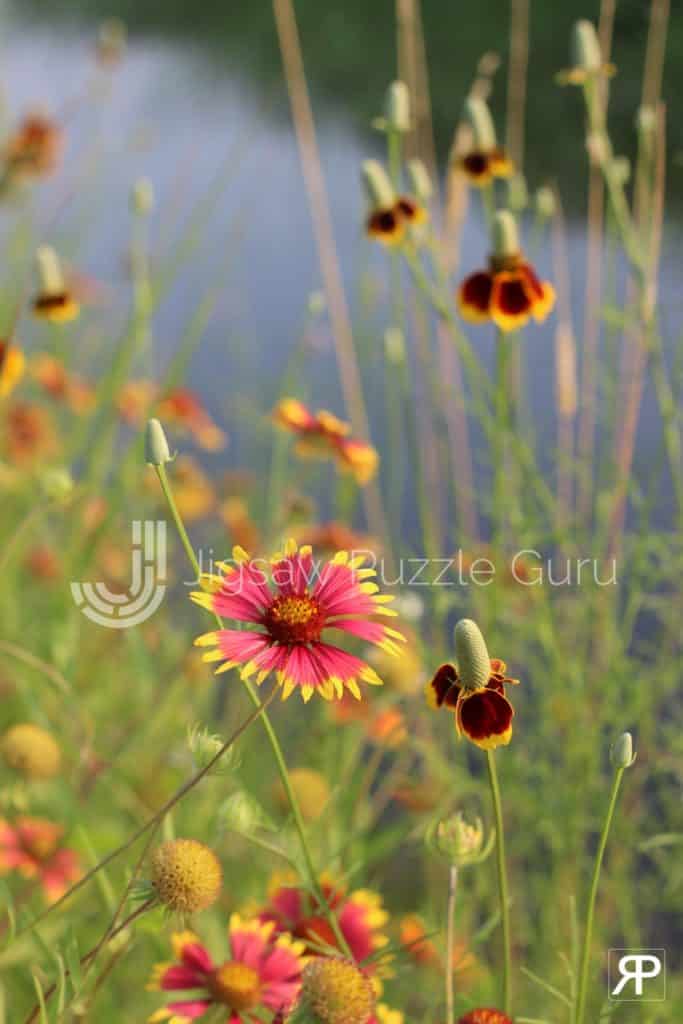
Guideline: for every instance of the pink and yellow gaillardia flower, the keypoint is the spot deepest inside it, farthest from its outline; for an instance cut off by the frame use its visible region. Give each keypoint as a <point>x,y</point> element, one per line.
<point>484,715</point>
<point>262,973</point>
<point>323,435</point>
<point>292,603</point>
<point>359,914</point>
<point>33,848</point>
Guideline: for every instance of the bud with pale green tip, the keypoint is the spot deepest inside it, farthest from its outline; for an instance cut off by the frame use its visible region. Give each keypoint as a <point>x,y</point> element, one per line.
<point>378,186</point>
<point>504,236</point>
<point>479,116</point>
<point>585,46</point>
<point>398,107</point>
<point>142,197</point>
<point>157,452</point>
<point>622,754</point>
<point>420,181</point>
<point>471,655</point>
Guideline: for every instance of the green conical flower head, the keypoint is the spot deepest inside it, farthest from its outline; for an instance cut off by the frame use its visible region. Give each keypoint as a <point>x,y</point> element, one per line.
<point>472,656</point>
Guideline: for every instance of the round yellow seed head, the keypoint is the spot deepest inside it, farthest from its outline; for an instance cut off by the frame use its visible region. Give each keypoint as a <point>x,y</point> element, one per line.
<point>187,875</point>
<point>31,751</point>
<point>337,992</point>
<point>311,790</point>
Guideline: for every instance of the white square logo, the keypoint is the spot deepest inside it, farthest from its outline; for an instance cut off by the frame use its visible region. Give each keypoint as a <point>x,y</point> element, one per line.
<point>636,975</point>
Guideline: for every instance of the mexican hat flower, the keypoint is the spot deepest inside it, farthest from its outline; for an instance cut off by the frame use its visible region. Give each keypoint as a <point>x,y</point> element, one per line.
<point>485,160</point>
<point>54,302</point>
<point>262,973</point>
<point>322,435</point>
<point>485,1016</point>
<point>359,915</point>
<point>476,695</point>
<point>390,214</point>
<point>292,603</point>
<point>33,848</point>
<point>12,364</point>
<point>509,291</point>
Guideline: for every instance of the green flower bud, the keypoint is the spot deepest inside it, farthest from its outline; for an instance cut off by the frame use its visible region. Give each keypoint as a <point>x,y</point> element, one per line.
<point>398,107</point>
<point>142,197</point>
<point>472,656</point>
<point>420,181</point>
<point>460,842</point>
<point>57,483</point>
<point>585,47</point>
<point>378,186</point>
<point>479,116</point>
<point>545,202</point>
<point>505,237</point>
<point>622,751</point>
<point>395,346</point>
<point>157,452</point>
<point>49,271</point>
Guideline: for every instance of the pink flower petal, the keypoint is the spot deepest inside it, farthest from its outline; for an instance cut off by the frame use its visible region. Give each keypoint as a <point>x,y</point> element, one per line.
<point>192,1009</point>
<point>197,958</point>
<point>241,646</point>
<point>247,947</point>
<point>179,977</point>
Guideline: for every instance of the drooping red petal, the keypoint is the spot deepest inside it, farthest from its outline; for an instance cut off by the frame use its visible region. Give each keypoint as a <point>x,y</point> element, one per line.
<point>485,717</point>
<point>444,689</point>
<point>474,296</point>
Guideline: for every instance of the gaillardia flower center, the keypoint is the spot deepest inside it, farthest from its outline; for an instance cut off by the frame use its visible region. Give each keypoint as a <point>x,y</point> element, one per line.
<point>295,619</point>
<point>236,985</point>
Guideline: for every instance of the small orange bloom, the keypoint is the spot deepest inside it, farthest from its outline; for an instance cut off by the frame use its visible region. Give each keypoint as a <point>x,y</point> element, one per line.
<point>29,434</point>
<point>182,408</point>
<point>61,385</point>
<point>508,293</point>
<point>35,148</point>
<point>33,847</point>
<point>57,307</point>
<point>483,715</point>
<point>482,166</point>
<point>12,363</point>
<point>323,435</point>
<point>388,728</point>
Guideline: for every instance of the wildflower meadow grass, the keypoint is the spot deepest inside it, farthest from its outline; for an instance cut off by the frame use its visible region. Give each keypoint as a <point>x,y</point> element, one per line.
<point>363,711</point>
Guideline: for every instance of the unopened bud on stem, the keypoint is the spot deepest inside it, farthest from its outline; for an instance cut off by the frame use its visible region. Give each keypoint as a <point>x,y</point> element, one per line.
<point>585,47</point>
<point>398,107</point>
<point>157,452</point>
<point>622,751</point>
<point>49,271</point>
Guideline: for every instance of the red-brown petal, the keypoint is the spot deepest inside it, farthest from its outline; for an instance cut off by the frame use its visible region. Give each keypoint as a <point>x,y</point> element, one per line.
<point>474,297</point>
<point>444,688</point>
<point>485,717</point>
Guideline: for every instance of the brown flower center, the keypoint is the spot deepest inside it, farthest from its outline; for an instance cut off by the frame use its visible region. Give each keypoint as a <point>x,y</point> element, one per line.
<point>295,619</point>
<point>236,985</point>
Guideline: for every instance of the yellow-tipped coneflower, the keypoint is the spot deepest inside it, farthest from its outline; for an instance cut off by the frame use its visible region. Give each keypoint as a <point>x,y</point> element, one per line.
<point>186,875</point>
<point>31,751</point>
<point>336,991</point>
<point>54,301</point>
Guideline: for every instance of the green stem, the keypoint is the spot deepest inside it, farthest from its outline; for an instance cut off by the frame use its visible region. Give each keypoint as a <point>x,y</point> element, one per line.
<point>267,725</point>
<point>450,944</point>
<point>502,882</point>
<point>590,912</point>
